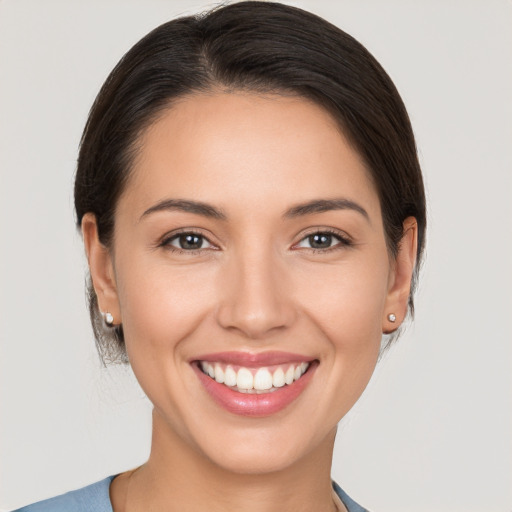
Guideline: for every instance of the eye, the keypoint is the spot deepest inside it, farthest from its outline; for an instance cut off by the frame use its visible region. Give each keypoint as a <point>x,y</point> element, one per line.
<point>323,240</point>
<point>188,242</point>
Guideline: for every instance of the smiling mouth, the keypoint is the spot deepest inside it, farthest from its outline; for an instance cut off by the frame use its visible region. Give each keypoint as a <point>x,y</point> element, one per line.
<point>254,380</point>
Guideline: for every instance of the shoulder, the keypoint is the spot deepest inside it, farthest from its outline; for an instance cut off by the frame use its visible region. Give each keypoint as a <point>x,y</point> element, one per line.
<point>349,503</point>
<point>93,498</point>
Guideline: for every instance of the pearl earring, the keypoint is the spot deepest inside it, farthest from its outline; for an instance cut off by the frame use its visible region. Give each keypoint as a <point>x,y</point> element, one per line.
<point>109,319</point>
<point>392,317</point>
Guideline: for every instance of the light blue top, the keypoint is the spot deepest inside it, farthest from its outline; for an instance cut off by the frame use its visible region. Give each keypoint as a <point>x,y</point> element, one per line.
<point>93,498</point>
<point>96,498</point>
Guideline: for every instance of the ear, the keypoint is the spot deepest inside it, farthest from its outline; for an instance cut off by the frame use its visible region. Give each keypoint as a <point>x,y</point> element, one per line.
<point>400,277</point>
<point>101,268</point>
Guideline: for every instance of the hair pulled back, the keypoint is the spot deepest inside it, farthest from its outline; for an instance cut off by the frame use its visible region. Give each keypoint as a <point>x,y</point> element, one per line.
<point>249,46</point>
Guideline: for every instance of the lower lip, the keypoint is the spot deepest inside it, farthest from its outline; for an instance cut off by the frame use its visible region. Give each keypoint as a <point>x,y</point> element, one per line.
<point>256,405</point>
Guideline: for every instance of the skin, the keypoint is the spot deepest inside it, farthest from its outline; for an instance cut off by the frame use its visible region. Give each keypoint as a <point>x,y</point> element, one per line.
<point>255,285</point>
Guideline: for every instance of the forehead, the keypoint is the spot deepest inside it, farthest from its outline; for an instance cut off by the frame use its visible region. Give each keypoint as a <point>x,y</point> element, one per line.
<point>241,149</point>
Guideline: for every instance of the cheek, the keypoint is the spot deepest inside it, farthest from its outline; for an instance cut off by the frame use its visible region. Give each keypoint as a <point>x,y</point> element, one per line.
<point>347,304</point>
<point>348,301</point>
<point>161,307</point>
<point>161,304</point>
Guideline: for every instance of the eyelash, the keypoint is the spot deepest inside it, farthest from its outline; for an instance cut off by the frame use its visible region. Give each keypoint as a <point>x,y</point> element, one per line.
<point>343,241</point>
<point>166,242</point>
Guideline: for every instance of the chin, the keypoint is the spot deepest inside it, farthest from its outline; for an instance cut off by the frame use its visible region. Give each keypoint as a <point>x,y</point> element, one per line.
<point>263,451</point>
<point>254,460</point>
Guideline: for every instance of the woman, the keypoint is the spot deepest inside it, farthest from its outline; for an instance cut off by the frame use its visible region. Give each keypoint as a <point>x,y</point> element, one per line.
<point>253,215</point>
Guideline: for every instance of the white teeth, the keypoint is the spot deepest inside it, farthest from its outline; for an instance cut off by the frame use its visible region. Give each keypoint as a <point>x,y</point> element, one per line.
<point>230,377</point>
<point>262,379</point>
<point>288,378</point>
<point>244,379</point>
<point>219,374</point>
<point>278,378</point>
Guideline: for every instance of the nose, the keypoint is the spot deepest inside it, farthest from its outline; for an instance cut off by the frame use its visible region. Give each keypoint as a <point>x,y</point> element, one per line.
<point>255,297</point>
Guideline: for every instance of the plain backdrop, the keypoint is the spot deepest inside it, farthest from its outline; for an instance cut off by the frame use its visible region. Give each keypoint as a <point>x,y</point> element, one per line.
<point>433,430</point>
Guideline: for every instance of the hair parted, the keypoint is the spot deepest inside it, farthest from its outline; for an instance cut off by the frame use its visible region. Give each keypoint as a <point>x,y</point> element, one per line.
<point>248,46</point>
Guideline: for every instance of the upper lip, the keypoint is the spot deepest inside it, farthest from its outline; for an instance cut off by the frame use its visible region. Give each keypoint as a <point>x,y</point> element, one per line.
<point>254,359</point>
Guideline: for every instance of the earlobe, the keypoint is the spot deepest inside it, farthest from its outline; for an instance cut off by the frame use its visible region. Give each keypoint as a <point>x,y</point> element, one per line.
<point>401,277</point>
<point>101,268</point>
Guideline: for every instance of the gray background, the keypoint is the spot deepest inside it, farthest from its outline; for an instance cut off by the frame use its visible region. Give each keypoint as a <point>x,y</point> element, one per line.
<point>433,431</point>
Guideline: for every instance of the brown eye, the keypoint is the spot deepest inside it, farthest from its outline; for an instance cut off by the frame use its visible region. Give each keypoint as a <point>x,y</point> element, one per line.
<point>323,240</point>
<point>188,242</point>
<point>320,241</point>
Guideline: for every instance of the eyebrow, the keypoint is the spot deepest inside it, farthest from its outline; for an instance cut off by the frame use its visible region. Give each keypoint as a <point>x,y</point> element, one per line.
<point>206,210</point>
<point>325,205</point>
<point>185,205</point>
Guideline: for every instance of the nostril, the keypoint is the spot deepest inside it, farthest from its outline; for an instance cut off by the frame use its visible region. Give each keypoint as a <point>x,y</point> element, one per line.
<point>254,320</point>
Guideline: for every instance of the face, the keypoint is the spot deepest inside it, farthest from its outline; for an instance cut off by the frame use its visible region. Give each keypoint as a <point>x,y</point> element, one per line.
<point>249,246</point>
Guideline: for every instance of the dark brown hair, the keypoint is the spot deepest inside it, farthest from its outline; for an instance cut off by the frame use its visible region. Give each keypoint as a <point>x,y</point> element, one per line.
<point>247,46</point>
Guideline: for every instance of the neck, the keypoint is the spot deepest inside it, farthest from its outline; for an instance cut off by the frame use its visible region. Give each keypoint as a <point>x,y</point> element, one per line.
<point>178,477</point>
